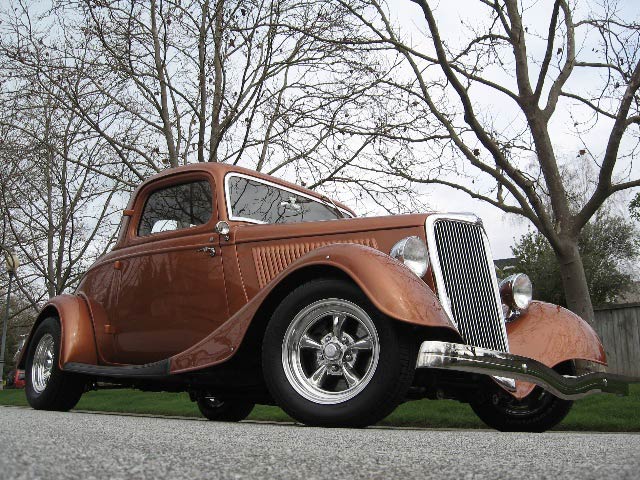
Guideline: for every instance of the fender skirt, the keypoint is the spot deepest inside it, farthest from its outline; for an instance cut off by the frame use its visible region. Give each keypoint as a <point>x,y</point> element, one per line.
<point>390,286</point>
<point>77,338</point>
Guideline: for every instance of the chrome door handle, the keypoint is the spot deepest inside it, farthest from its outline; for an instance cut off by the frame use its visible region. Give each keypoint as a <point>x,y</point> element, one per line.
<point>210,250</point>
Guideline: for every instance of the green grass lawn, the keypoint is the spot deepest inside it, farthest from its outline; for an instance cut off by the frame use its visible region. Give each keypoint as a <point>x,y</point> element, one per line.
<point>595,413</point>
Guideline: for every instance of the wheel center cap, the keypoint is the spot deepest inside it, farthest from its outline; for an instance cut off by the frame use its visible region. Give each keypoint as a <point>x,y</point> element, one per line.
<point>332,351</point>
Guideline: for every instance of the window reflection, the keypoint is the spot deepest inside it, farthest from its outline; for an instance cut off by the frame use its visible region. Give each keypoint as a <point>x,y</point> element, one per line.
<point>268,204</point>
<point>177,207</point>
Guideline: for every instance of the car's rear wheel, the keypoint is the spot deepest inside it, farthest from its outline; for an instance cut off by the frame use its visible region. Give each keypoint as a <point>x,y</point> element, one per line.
<point>224,410</point>
<point>48,387</point>
<point>330,358</point>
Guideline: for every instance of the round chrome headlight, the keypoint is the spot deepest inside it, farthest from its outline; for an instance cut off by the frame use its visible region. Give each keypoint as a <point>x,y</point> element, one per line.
<point>413,253</point>
<point>516,291</point>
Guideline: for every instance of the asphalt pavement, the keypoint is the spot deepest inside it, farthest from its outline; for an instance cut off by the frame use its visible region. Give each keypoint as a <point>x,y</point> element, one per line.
<point>75,445</point>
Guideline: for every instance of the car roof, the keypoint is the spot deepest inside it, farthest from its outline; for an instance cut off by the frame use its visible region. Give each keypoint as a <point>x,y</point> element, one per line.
<point>220,170</point>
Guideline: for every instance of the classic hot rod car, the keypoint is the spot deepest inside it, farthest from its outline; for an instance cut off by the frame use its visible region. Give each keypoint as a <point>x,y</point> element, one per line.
<point>240,288</point>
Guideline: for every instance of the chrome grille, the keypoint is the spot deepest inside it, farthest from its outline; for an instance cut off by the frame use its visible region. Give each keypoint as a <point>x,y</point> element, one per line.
<point>466,279</point>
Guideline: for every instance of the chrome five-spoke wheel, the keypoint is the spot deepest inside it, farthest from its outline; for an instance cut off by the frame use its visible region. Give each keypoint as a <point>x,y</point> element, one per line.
<point>42,363</point>
<point>330,358</point>
<point>330,351</point>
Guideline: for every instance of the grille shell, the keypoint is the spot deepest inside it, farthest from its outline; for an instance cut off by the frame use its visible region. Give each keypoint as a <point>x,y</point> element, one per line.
<point>465,279</point>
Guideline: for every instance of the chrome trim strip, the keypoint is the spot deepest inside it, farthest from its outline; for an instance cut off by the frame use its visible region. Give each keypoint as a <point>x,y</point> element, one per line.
<point>227,197</point>
<point>467,358</point>
<point>434,260</point>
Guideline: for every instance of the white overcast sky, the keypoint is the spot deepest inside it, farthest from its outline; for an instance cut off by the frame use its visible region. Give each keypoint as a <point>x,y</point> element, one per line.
<point>503,229</point>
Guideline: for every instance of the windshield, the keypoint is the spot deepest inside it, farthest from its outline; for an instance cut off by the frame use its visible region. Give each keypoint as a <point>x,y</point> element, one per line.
<point>255,201</point>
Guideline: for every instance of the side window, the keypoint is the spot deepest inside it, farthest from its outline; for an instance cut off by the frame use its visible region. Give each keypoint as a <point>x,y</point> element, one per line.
<point>176,207</point>
<point>268,204</point>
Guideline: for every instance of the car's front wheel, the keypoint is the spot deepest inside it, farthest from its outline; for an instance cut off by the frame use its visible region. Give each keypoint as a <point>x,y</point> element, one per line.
<point>537,412</point>
<point>330,358</point>
<point>48,387</point>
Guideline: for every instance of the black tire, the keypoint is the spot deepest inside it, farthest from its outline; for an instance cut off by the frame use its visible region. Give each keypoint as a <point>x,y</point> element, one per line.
<point>10,378</point>
<point>62,390</point>
<point>537,412</point>
<point>387,385</point>
<point>224,411</point>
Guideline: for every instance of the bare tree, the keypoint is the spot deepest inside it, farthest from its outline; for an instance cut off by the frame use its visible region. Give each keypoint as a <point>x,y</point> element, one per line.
<point>538,67</point>
<point>268,84</point>
<point>95,96</point>
<point>58,215</point>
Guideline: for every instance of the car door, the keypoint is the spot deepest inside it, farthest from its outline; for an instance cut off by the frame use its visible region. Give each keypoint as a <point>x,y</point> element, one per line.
<point>171,289</point>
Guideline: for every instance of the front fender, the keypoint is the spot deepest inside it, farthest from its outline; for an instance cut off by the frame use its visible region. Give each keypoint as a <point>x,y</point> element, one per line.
<point>552,335</point>
<point>77,343</point>
<point>390,286</point>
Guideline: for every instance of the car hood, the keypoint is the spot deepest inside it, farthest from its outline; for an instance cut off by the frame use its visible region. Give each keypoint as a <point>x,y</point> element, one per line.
<point>255,233</point>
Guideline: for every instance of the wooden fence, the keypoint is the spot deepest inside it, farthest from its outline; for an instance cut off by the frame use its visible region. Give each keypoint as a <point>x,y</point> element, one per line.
<point>619,329</point>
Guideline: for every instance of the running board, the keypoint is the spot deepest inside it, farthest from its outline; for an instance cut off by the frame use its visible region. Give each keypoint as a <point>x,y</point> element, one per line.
<point>467,358</point>
<point>148,371</point>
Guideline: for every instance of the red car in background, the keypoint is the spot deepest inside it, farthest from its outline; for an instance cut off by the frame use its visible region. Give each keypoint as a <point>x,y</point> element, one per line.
<point>15,379</point>
<point>18,381</point>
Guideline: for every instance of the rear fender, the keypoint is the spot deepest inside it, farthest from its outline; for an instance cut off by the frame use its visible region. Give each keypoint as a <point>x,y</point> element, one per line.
<point>77,336</point>
<point>390,286</point>
<point>552,335</point>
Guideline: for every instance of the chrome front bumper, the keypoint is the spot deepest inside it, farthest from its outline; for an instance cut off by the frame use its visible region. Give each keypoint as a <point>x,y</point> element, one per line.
<point>467,358</point>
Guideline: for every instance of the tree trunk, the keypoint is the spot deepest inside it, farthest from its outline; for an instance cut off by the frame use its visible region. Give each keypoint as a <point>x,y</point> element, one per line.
<point>218,84</point>
<point>574,281</point>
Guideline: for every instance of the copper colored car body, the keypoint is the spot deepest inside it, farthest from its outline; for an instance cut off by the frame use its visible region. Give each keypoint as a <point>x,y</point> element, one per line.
<point>186,307</point>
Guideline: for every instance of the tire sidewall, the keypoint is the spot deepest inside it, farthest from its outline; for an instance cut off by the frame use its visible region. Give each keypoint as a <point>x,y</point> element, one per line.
<point>229,411</point>
<point>551,414</point>
<point>387,372</point>
<point>49,395</point>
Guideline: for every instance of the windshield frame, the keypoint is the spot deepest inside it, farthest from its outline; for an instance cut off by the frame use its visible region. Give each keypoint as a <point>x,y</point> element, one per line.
<point>232,217</point>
